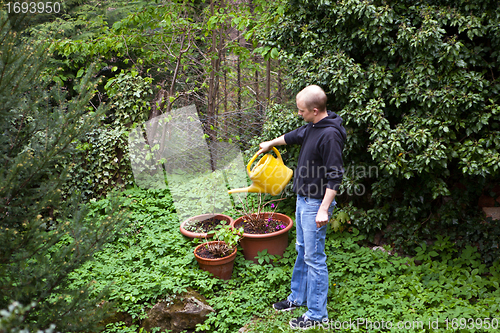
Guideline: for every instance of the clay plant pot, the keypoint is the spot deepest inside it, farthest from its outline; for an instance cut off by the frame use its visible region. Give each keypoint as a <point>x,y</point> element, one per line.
<point>220,267</point>
<point>191,234</point>
<point>275,242</point>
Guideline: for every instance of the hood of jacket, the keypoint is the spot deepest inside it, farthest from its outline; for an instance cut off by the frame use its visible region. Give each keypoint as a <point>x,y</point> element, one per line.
<point>332,120</point>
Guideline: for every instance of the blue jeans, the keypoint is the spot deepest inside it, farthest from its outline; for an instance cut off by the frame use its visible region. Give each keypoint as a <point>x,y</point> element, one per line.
<point>310,273</point>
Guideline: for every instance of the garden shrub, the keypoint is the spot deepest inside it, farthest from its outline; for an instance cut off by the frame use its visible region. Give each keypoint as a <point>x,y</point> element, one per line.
<point>100,163</point>
<point>417,86</point>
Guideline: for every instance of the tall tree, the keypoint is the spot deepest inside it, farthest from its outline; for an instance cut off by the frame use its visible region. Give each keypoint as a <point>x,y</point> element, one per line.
<point>43,236</point>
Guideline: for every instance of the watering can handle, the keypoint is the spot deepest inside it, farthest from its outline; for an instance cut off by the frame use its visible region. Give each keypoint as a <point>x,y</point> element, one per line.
<point>257,154</point>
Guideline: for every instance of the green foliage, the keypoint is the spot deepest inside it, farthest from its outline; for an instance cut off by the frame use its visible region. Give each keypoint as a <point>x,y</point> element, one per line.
<point>43,238</point>
<point>102,160</point>
<point>99,163</point>
<point>228,238</point>
<point>82,18</point>
<point>148,260</point>
<point>130,95</point>
<point>417,86</point>
<point>146,48</point>
<point>151,261</point>
<point>280,119</point>
<point>159,48</point>
<point>339,220</point>
<point>11,319</point>
<point>155,39</point>
<point>197,193</point>
<point>121,327</point>
<point>228,235</point>
<point>365,284</point>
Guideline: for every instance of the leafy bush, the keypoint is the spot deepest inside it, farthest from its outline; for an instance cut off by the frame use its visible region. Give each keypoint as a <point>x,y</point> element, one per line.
<point>280,119</point>
<point>100,162</point>
<point>144,258</point>
<point>130,94</point>
<point>417,86</point>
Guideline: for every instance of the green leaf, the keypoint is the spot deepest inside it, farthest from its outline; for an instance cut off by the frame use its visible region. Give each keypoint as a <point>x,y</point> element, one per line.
<point>274,53</point>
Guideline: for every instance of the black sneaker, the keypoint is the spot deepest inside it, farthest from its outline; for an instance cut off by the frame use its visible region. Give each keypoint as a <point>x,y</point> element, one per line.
<point>304,323</point>
<point>284,305</point>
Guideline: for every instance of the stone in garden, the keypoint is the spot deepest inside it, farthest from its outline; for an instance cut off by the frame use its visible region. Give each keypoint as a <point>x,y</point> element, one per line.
<point>187,310</point>
<point>118,317</point>
<point>493,212</point>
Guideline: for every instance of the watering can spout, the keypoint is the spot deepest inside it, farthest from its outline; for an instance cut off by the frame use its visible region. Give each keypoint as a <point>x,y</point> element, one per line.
<point>269,175</point>
<point>251,189</point>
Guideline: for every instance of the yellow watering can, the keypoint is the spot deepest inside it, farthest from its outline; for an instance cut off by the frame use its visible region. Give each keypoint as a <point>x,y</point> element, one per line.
<point>269,175</point>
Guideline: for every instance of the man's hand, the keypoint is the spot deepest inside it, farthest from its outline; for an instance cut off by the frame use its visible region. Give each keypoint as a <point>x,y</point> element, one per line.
<point>266,146</point>
<point>321,218</point>
<point>322,215</point>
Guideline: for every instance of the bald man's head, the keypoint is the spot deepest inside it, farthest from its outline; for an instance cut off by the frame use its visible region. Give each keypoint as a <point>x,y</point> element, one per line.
<point>313,97</point>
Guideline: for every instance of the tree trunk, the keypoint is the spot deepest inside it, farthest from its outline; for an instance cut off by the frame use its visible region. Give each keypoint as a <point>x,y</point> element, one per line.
<point>212,86</point>
<point>238,92</point>
<point>238,70</point>
<point>257,95</point>
<point>224,64</point>
<point>279,96</point>
<point>268,81</point>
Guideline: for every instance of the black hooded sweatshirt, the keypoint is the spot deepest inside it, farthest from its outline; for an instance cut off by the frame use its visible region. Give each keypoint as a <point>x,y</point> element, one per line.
<point>320,164</point>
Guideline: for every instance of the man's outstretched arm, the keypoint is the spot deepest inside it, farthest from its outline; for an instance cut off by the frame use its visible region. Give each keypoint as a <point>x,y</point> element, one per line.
<point>268,145</point>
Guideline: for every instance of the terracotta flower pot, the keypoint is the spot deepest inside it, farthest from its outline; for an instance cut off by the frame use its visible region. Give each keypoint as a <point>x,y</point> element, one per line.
<point>220,267</point>
<point>275,242</point>
<point>191,234</point>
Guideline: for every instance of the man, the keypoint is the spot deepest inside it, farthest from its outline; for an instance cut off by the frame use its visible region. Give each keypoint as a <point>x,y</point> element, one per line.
<point>316,181</point>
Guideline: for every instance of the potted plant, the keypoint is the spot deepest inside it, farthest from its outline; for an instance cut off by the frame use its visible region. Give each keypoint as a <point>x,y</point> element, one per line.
<point>263,230</point>
<point>203,226</point>
<point>217,256</point>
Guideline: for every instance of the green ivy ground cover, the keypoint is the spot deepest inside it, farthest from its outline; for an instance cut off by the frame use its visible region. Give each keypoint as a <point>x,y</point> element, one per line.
<point>151,260</point>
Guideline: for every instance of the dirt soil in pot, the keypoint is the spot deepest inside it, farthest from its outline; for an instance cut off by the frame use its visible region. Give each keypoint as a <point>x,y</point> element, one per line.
<point>265,226</point>
<point>204,253</point>
<point>205,226</point>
